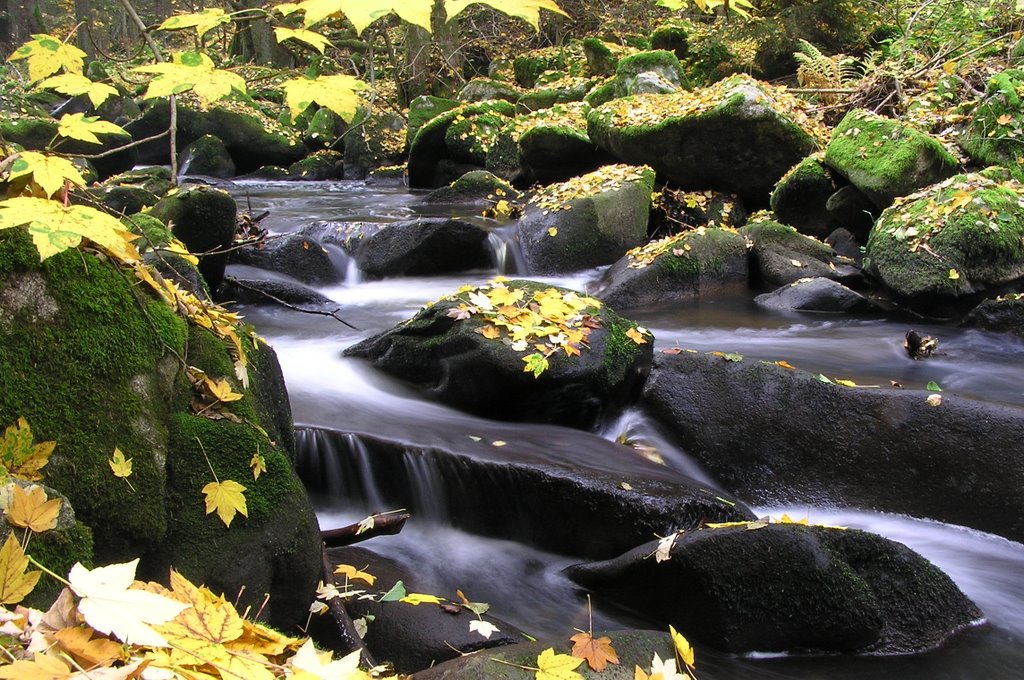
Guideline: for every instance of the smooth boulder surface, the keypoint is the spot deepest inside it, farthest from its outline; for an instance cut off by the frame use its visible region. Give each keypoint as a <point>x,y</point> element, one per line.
<point>815,294</point>
<point>422,247</point>
<point>297,255</point>
<point>788,588</point>
<point>778,436</point>
<point>780,255</point>
<point>698,263</point>
<point>738,135</point>
<point>443,351</point>
<point>587,221</point>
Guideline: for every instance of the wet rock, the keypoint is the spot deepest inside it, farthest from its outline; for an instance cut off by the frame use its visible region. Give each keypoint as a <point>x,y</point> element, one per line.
<point>815,295</point>
<point>421,247</point>
<point>478,187</point>
<point>207,156</point>
<point>781,255</point>
<point>297,255</point>
<point>693,264</point>
<point>800,197</point>
<point>1004,313</point>
<point>773,436</point>
<point>785,588</point>
<point>203,218</point>
<point>451,360</point>
<point>587,221</point>
<point>270,291</point>
<point>851,209</point>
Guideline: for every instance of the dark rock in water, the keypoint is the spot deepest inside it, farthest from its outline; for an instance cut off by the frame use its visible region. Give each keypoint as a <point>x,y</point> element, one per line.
<point>415,637</point>
<point>786,587</point>
<point>421,247</point>
<point>633,647</point>
<point>558,490</point>
<point>778,436</point>
<point>269,292</point>
<point>478,187</point>
<point>783,255</point>
<point>299,256</point>
<point>203,219</point>
<point>1004,313</point>
<point>319,166</point>
<point>815,295</point>
<point>700,263</point>
<point>452,360</point>
<point>919,346</point>
<point>343,235</point>
<point>207,156</point>
<point>846,245</point>
<point>587,221</point>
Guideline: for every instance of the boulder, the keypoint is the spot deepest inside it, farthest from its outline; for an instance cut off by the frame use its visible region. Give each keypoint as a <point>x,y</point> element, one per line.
<point>800,197</point>
<point>850,208</point>
<point>561,491</point>
<point>299,256</point>
<point>454,350</point>
<point>206,156</point>
<point>738,135</point>
<point>991,136</point>
<point>468,139</point>
<point>529,67</point>
<point>484,89</point>
<point>324,130</point>
<point>780,255</point>
<point>478,188</point>
<point>587,221</point>
<point>942,249</point>
<point>886,158</point>
<point>114,377</point>
<point>561,91</point>
<point>318,166</point>
<point>429,154</point>
<point>816,294</point>
<point>271,291</point>
<point>774,436</point>
<point>672,37</point>
<point>635,73</point>
<point>424,108</point>
<point>602,56</point>
<point>374,138</point>
<point>203,218</point>
<point>787,588</point>
<point>423,247</point>
<point>1004,314</point>
<point>693,264</point>
<point>674,211</point>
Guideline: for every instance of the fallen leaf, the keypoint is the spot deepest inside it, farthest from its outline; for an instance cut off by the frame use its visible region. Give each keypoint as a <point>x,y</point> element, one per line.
<point>845,383</point>
<point>933,386</point>
<point>785,364</point>
<point>258,464</point>
<point>15,581</point>
<point>30,509</point>
<point>552,666</point>
<point>226,498</point>
<point>42,667</point>
<point>499,443</point>
<point>597,652</point>
<point>664,550</point>
<point>396,593</point>
<point>319,664</point>
<point>485,628</point>
<point>420,598</point>
<point>119,465</point>
<point>636,336</point>
<point>365,524</point>
<point>683,648</point>
<point>954,275</point>
<point>934,400</point>
<point>553,231</point>
<point>353,574</point>
<point>1004,119</point>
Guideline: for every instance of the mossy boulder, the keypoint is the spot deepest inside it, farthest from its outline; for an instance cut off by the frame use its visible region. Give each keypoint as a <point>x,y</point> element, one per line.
<point>787,587</point>
<point>943,248</point>
<point>529,67</point>
<point>886,158</point>
<point>318,166</point>
<point>444,351</point>
<point>207,156</point>
<point>484,89</point>
<point>429,153</point>
<point>602,56</point>
<point>154,179</point>
<point>1004,314</point>
<point>992,136</point>
<point>586,221</point>
<point>630,72</point>
<point>800,196</point>
<point>423,247</point>
<point>739,135</point>
<point>374,138</point>
<point>467,140</point>
<point>780,255</point>
<point>698,263</point>
<point>203,218</point>
<point>94,362</point>
<point>672,37</point>
<point>560,91</point>
<point>130,192</point>
<point>477,187</point>
<point>424,108</point>
<point>324,129</point>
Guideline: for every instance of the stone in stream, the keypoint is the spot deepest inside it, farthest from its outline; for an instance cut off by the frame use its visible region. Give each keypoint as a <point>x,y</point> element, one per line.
<point>521,351</point>
<point>423,247</point>
<point>774,435</point>
<point>815,295</point>
<point>297,255</point>
<point>780,255</point>
<point>787,588</point>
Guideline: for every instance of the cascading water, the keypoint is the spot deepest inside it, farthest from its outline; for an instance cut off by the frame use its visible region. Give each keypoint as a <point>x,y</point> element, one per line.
<point>524,585</point>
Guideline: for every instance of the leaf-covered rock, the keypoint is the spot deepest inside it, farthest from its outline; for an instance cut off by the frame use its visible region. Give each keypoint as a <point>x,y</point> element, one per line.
<point>992,136</point>
<point>430,162</point>
<point>782,255</point>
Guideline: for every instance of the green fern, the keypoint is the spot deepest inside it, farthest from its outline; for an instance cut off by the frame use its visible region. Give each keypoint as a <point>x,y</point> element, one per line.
<point>820,71</point>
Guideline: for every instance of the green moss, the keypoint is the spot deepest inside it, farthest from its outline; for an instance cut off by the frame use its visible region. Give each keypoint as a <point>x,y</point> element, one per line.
<point>601,59</point>
<point>425,108</point>
<point>660,61</point>
<point>672,37</point>
<point>58,550</point>
<point>993,136</point>
<point>603,93</point>
<point>469,139</point>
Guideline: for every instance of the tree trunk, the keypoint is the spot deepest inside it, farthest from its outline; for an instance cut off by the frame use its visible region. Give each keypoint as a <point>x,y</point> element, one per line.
<point>433,61</point>
<point>254,39</point>
<point>83,17</point>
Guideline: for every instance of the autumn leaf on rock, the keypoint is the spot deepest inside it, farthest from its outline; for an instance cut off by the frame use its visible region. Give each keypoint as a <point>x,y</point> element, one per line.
<point>636,336</point>
<point>552,666</point>
<point>420,598</point>
<point>20,456</point>
<point>683,648</point>
<point>536,363</point>
<point>30,509</point>
<point>221,390</point>
<point>47,55</point>
<point>15,580</point>
<point>664,551</point>
<point>485,628</point>
<point>226,498</point>
<point>319,665</point>
<point>258,464</point>
<point>353,574</point>
<point>87,650</point>
<point>110,606</point>
<point>121,466</point>
<point>597,652</point>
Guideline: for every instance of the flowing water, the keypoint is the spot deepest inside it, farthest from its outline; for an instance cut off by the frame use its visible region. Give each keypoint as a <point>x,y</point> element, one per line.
<point>524,585</point>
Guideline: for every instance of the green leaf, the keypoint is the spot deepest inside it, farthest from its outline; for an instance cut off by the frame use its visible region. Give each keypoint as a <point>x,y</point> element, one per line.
<point>527,10</point>
<point>85,128</point>
<point>74,84</point>
<point>339,93</point>
<point>203,21</point>
<point>396,593</point>
<point>536,363</point>
<point>825,379</point>
<point>933,386</point>
<point>47,55</point>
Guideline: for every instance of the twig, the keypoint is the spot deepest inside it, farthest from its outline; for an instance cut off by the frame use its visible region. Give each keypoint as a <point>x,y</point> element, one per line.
<point>333,314</point>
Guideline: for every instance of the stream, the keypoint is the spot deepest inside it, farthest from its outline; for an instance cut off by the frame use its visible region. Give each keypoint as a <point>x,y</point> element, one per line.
<point>524,585</point>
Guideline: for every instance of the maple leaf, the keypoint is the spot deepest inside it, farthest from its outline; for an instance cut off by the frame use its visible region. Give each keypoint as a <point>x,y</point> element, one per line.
<point>311,38</point>
<point>339,93</point>
<point>119,465</point>
<point>204,21</point>
<point>597,652</point>
<point>111,607</point>
<point>30,509</point>
<point>47,55</point>
<point>55,228</point>
<point>353,574</point>
<point>953,275</point>
<point>682,646</point>
<point>15,580</point>
<point>221,390</point>
<point>490,332</point>
<point>259,639</point>
<point>42,667</point>
<point>87,650</point>
<point>85,128</point>
<point>636,336</point>
<point>551,666</point>
<point>485,628</point>
<point>258,464</point>
<point>191,71</point>
<point>420,598</point>
<point>527,10</point>
<point>19,456</point>
<point>536,363</point>
<point>75,84</point>
<point>226,498</point>
<point>49,172</point>
<point>319,664</point>
<point>1004,119</point>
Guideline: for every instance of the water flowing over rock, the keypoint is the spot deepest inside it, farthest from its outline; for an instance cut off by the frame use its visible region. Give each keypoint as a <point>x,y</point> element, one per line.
<point>786,587</point>
<point>777,436</point>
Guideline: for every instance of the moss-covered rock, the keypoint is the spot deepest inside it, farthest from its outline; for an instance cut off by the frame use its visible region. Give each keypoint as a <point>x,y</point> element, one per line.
<point>429,149</point>
<point>484,89</point>
<point>477,187</point>
<point>783,255</point>
<point>630,72</point>
<point>447,351</point>
<point>207,156</point>
<point>529,67</point>
<point>992,136</point>
<point>1004,313</point>
<point>374,138</point>
<point>885,158</point>
<point>672,37</point>
<point>586,221</point>
<point>800,196</point>
<point>696,263</point>
<point>318,166</point>
<point>821,589</point>
<point>468,139</point>
<point>943,248</point>
<point>602,56</point>
<point>560,91</point>
<point>424,108</point>
<point>740,136</point>
<point>324,129</point>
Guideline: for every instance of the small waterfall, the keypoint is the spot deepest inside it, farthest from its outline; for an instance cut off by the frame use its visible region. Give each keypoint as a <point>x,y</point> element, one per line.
<point>426,487</point>
<point>340,260</point>
<point>338,466</point>
<point>508,258</point>
<point>353,276</point>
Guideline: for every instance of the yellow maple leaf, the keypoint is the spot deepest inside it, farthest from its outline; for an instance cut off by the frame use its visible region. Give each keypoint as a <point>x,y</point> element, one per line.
<point>527,10</point>
<point>311,38</point>
<point>75,84</point>
<point>226,498</point>
<point>309,663</point>
<point>420,598</point>
<point>597,652</point>
<point>55,227</point>
<point>953,275</point>
<point>354,574</point>
<point>786,519</point>
<point>41,667</point>
<point>636,336</point>
<point>682,646</point>
<point>490,332</point>
<point>258,464</point>
<point>204,21</point>
<point>85,128</point>
<point>19,456</point>
<point>30,509</point>
<point>1004,119</point>
<point>87,650</point>
<point>47,55</point>
<point>552,666</point>
<point>15,580</point>
<point>49,172</point>
<point>339,93</point>
<point>191,71</point>
<point>259,639</point>
<point>221,390</point>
